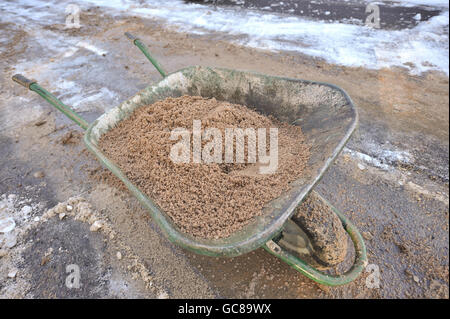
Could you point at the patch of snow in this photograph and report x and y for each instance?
(7, 224)
(91, 47)
(84, 100)
(420, 49)
(382, 158)
(14, 214)
(411, 3)
(372, 161)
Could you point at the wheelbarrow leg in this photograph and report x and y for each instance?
(274, 247)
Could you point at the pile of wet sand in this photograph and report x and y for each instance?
(206, 200)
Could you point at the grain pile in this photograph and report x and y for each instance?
(205, 200)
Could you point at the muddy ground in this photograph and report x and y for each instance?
(391, 179)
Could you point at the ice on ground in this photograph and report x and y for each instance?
(7, 224)
(420, 49)
(383, 158)
(91, 47)
(410, 3)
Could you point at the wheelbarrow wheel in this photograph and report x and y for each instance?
(314, 240)
(321, 229)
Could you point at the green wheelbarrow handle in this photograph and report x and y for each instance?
(71, 114)
(53, 100)
(358, 266)
(137, 42)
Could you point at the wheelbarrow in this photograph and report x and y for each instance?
(327, 128)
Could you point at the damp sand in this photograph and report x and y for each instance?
(206, 200)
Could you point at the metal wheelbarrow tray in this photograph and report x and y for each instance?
(326, 128)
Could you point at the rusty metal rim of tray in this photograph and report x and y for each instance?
(267, 243)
